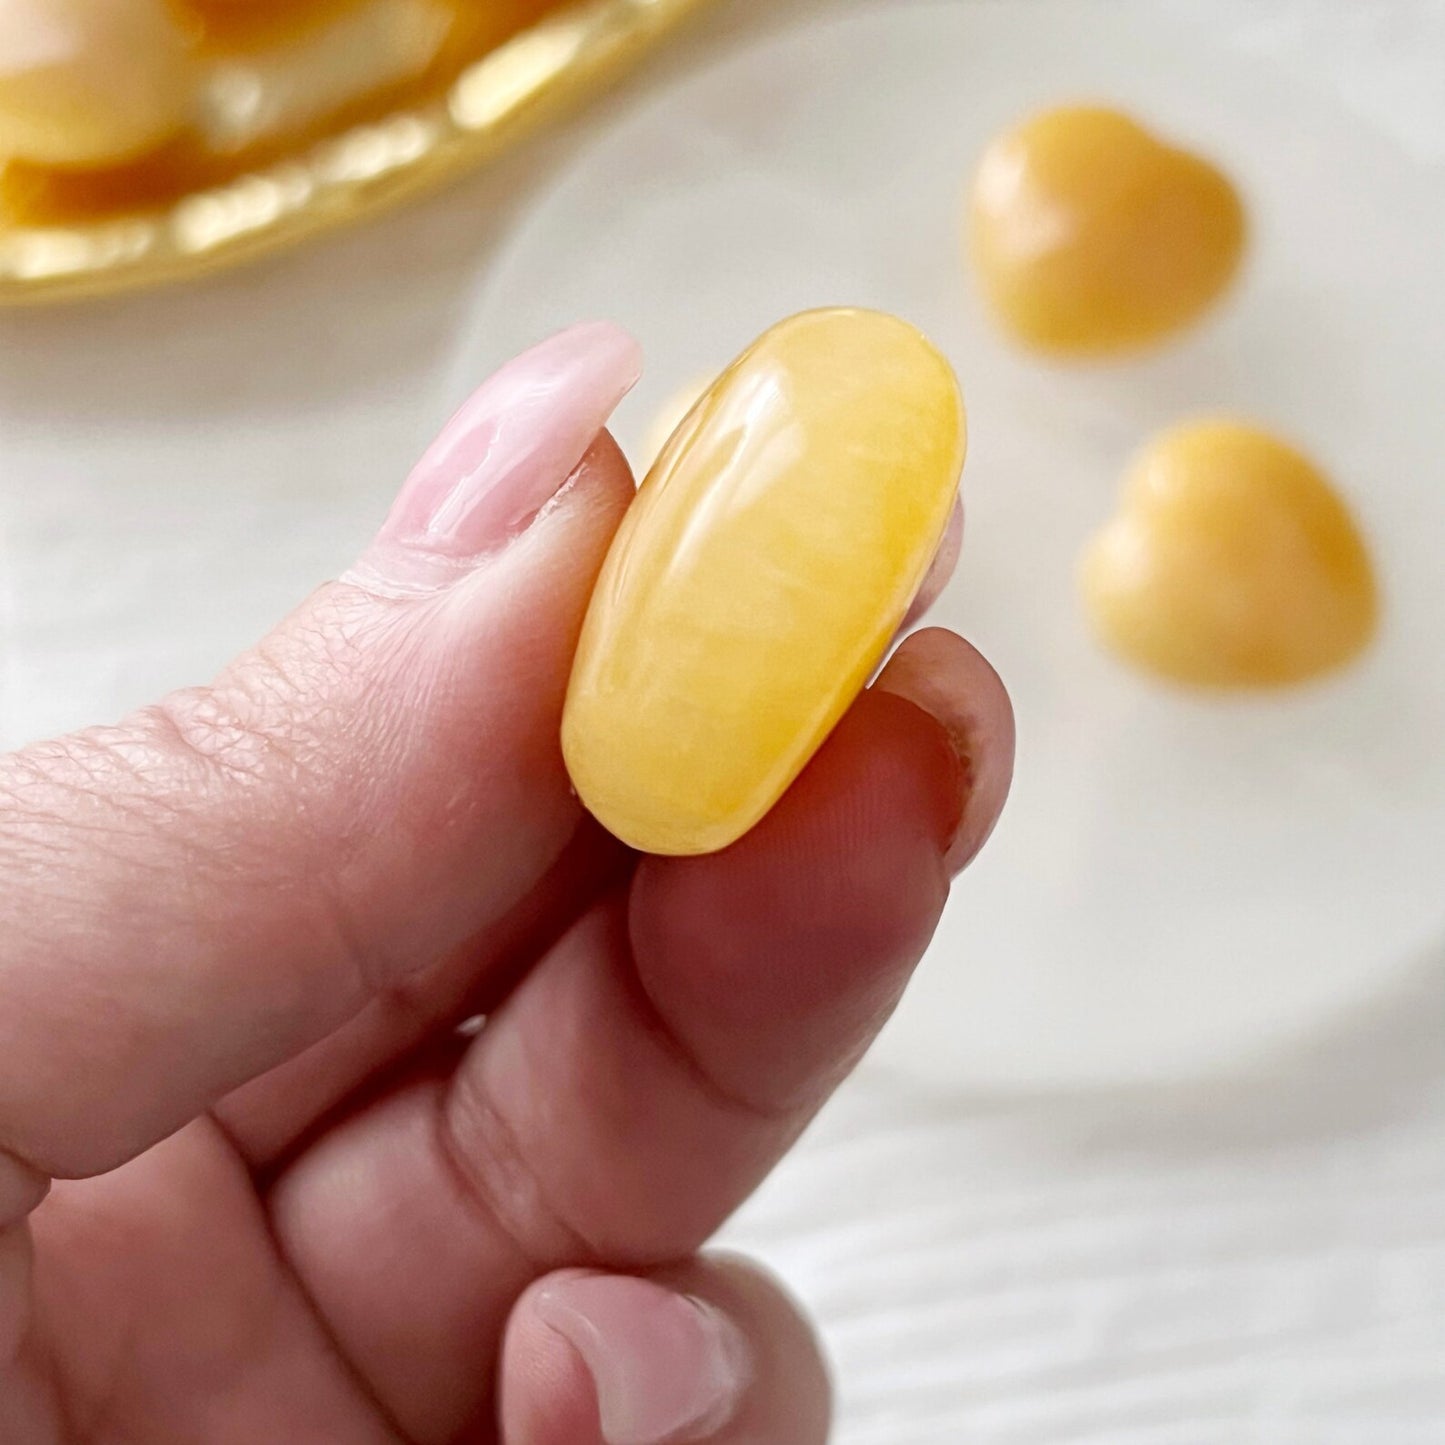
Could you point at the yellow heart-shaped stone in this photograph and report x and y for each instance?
(1231, 563)
(1091, 235)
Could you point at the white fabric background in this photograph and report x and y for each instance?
(1257, 1261)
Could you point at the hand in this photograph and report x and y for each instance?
(238, 933)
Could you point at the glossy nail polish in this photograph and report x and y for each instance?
(508, 451)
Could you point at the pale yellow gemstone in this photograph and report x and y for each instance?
(1232, 563)
(338, 61)
(91, 82)
(759, 576)
(1089, 234)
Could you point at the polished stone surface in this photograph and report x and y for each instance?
(772, 552)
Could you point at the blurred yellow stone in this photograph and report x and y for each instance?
(670, 416)
(756, 581)
(333, 62)
(1231, 563)
(1090, 235)
(90, 82)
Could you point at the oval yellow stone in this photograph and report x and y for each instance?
(1091, 235)
(757, 579)
(1231, 563)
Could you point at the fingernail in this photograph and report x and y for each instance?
(939, 672)
(508, 451)
(941, 569)
(665, 1366)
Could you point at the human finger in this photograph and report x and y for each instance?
(711, 1351)
(196, 894)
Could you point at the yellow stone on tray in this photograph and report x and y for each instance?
(85, 83)
(1091, 235)
(1231, 563)
(755, 583)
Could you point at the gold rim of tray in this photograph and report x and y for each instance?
(345, 178)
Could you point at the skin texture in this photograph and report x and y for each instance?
(240, 928)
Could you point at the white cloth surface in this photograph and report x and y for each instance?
(1262, 1261)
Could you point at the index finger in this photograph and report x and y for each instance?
(197, 894)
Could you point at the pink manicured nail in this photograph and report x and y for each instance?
(508, 451)
(665, 1365)
(952, 682)
(941, 569)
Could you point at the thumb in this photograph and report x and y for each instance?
(192, 896)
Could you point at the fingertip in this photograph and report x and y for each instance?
(779, 957)
(941, 570)
(545, 1394)
(709, 1350)
(589, 504)
(957, 686)
(502, 457)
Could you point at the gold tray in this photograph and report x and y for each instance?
(348, 176)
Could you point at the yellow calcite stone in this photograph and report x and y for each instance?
(756, 581)
(1090, 235)
(84, 83)
(1231, 563)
